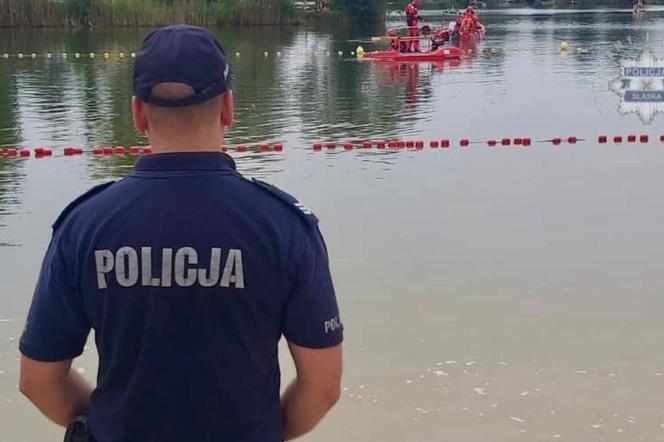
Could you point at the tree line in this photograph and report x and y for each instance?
(18, 13)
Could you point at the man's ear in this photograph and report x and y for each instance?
(227, 109)
(138, 115)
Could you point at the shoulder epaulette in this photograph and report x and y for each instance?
(86, 196)
(290, 201)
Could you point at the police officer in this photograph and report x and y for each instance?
(189, 275)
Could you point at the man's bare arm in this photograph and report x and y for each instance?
(315, 390)
(55, 389)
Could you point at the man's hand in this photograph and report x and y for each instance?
(315, 391)
(58, 391)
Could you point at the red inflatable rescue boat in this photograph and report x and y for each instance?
(442, 53)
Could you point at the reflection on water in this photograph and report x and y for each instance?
(504, 294)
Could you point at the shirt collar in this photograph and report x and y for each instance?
(185, 161)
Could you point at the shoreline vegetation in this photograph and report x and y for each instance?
(145, 13)
(137, 13)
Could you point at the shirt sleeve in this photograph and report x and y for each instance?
(56, 328)
(312, 313)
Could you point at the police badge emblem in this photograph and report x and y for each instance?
(641, 87)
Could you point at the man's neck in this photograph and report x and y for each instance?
(170, 143)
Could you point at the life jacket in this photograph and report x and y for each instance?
(411, 15)
(467, 25)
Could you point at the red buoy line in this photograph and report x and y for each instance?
(491, 142)
(105, 151)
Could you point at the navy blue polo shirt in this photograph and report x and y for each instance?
(189, 274)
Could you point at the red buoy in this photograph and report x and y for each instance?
(527, 141)
(11, 152)
(617, 139)
(518, 141)
(380, 144)
(631, 138)
(464, 142)
(243, 148)
(419, 144)
(445, 143)
(506, 142)
(316, 146)
(147, 150)
(134, 150)
(434, 144)
(119, 150)
(556, 141)
(69, 151)
(47, 152)
(24, 153)
(366, 145)
(108, 150)
(644, 138)
(79, 151)
(97, 151)
(348, 146)
(602, 139)
(491, 142)
(264, 147)
(278, 147)
(661, 138)
(331, 146)
(410, 143)
(572, 140)
(39, 151)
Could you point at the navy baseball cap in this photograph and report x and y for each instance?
(181, 54)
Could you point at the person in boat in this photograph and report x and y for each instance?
(412, 19)
(457, 26)
(395, 41)
(467, 23)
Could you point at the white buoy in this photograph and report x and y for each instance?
(20, 55)
(5, 56)
(77, 55)
(564, 46)
(92, 55)
(266, 54)
(33, 56)
(237, 54)
(340, 53)
(64, 55)
(278, 54)
(133, 55)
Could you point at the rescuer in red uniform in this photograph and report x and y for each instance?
(412, 18)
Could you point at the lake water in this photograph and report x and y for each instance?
(505, 294)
